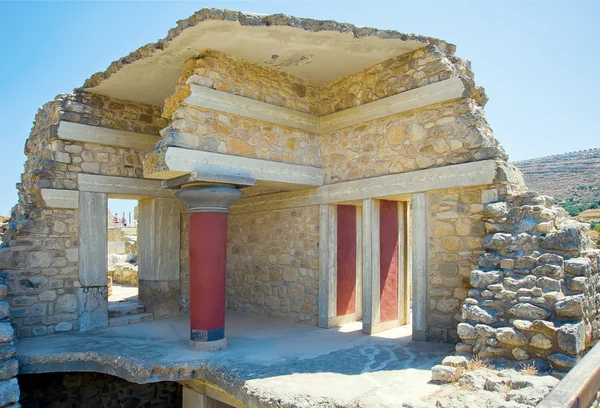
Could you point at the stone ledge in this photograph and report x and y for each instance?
(122, 187)
(78, 132)
(210, 99)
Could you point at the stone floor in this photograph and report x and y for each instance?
(122, 293)
(268, 361)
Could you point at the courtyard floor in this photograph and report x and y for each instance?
(268, 360)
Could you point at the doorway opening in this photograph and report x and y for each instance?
(123, 282)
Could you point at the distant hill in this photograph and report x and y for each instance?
(573, 179)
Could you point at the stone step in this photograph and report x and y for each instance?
(124, 308)
(130, 319)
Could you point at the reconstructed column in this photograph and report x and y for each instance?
(208, 207)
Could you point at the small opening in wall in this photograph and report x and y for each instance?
(123, 283)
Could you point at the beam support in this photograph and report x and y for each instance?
(78, 132)
(420, 270)
(327, 265)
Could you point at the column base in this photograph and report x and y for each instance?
(208, 345)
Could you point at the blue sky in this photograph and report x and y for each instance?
(537, 60)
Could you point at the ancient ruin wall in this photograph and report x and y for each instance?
(40, 254)
(9, 365)
(535, 293)
(93, 390)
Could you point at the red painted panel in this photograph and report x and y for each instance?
(388, 262)
(346, 259)
(208, 251)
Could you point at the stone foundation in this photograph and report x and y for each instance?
(94, 391)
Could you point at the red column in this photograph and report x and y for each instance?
(208, 212)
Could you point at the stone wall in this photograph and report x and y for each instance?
(40, 249)
(535, 293)
(9, 365)
(95, 390)
(273, 263)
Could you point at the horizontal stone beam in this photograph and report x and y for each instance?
(267, 173)
(105, 136)
(442, 91)
(211, 99)
(54, 198)
(388, 186)
(122, 187)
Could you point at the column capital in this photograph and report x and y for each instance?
(208, 198)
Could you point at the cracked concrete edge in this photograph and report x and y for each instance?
(248, 19)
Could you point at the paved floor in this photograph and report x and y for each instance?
(123, 293)
(267, 360)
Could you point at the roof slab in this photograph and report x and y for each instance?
(267, 360)
(316, 50)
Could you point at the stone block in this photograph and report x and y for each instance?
(571, 338)
(9, 369)
(38, 259)
(443, 373)
(477, 314)
(455, 361)
(578, 266)
(63, 326)
(562, 362)
(508, 335)
(519, 353)
(571, 306)
(481, 279)
(567, 240)
(161, 298)
(578, 284)
(7, 333)
(466, 331)
(4, 309)
(528, 311)
(9, 392)
(540, 341)
(92, 307)
(66, 304)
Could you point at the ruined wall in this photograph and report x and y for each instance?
(9, 365)
(95, 390)
(535, 293)
(273, 263)
(40, 254)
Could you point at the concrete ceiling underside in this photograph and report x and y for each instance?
(317, 56)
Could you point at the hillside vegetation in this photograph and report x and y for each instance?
(573, 179)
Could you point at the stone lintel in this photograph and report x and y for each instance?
(266, 173)
(211, 99)
(437, 92)
(78, 132)
(389, 186)
(55, 198)
(122, 187)
(206, 98)
(208, 177)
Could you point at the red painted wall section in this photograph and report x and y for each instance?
(346, 259)
(388, 263)
(208, 251)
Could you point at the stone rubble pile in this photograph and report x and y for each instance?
(9, 365)
(535, 294)
(485, 387)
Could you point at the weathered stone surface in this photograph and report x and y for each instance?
(540, 341)
(571, 338)
(9, 392)
(442, 373)
(519, 353)
(562, 361)
(63, 326)
(92, 308)
(511, 336)
(9, 369)
(7, 333)
(489, 261)
(466, 331)
(481, 279)
(456, 361)
(578, 266)
(477, 314)
(66, 304)
(528, 311)
(568, 239)
(571, 306)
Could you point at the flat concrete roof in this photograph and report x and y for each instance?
(267, 359)
(318, 50)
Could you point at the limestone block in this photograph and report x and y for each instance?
(63, 326)
(466, 331)
(569, 239)
(540, 341)
(489, 261)
(548, 270)
(443, 373)
(495, 210)
(496, 242)
(92, 307)
(511, 336)
(66, 304)
(9, 392)
(39, 259)
(549, 284)
(481, 279)
(578, 284)
(578, 266)
(455, 361)
(4, 309)
(7, 333)
(485, 330)
(528, 311)
(526, 262)
(571, 338)
(562, 361)
(519, 353)
(571, 306)
(477, 314)
(161, 298)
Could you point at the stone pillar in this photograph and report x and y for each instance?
(208, 207)
(420, 271)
